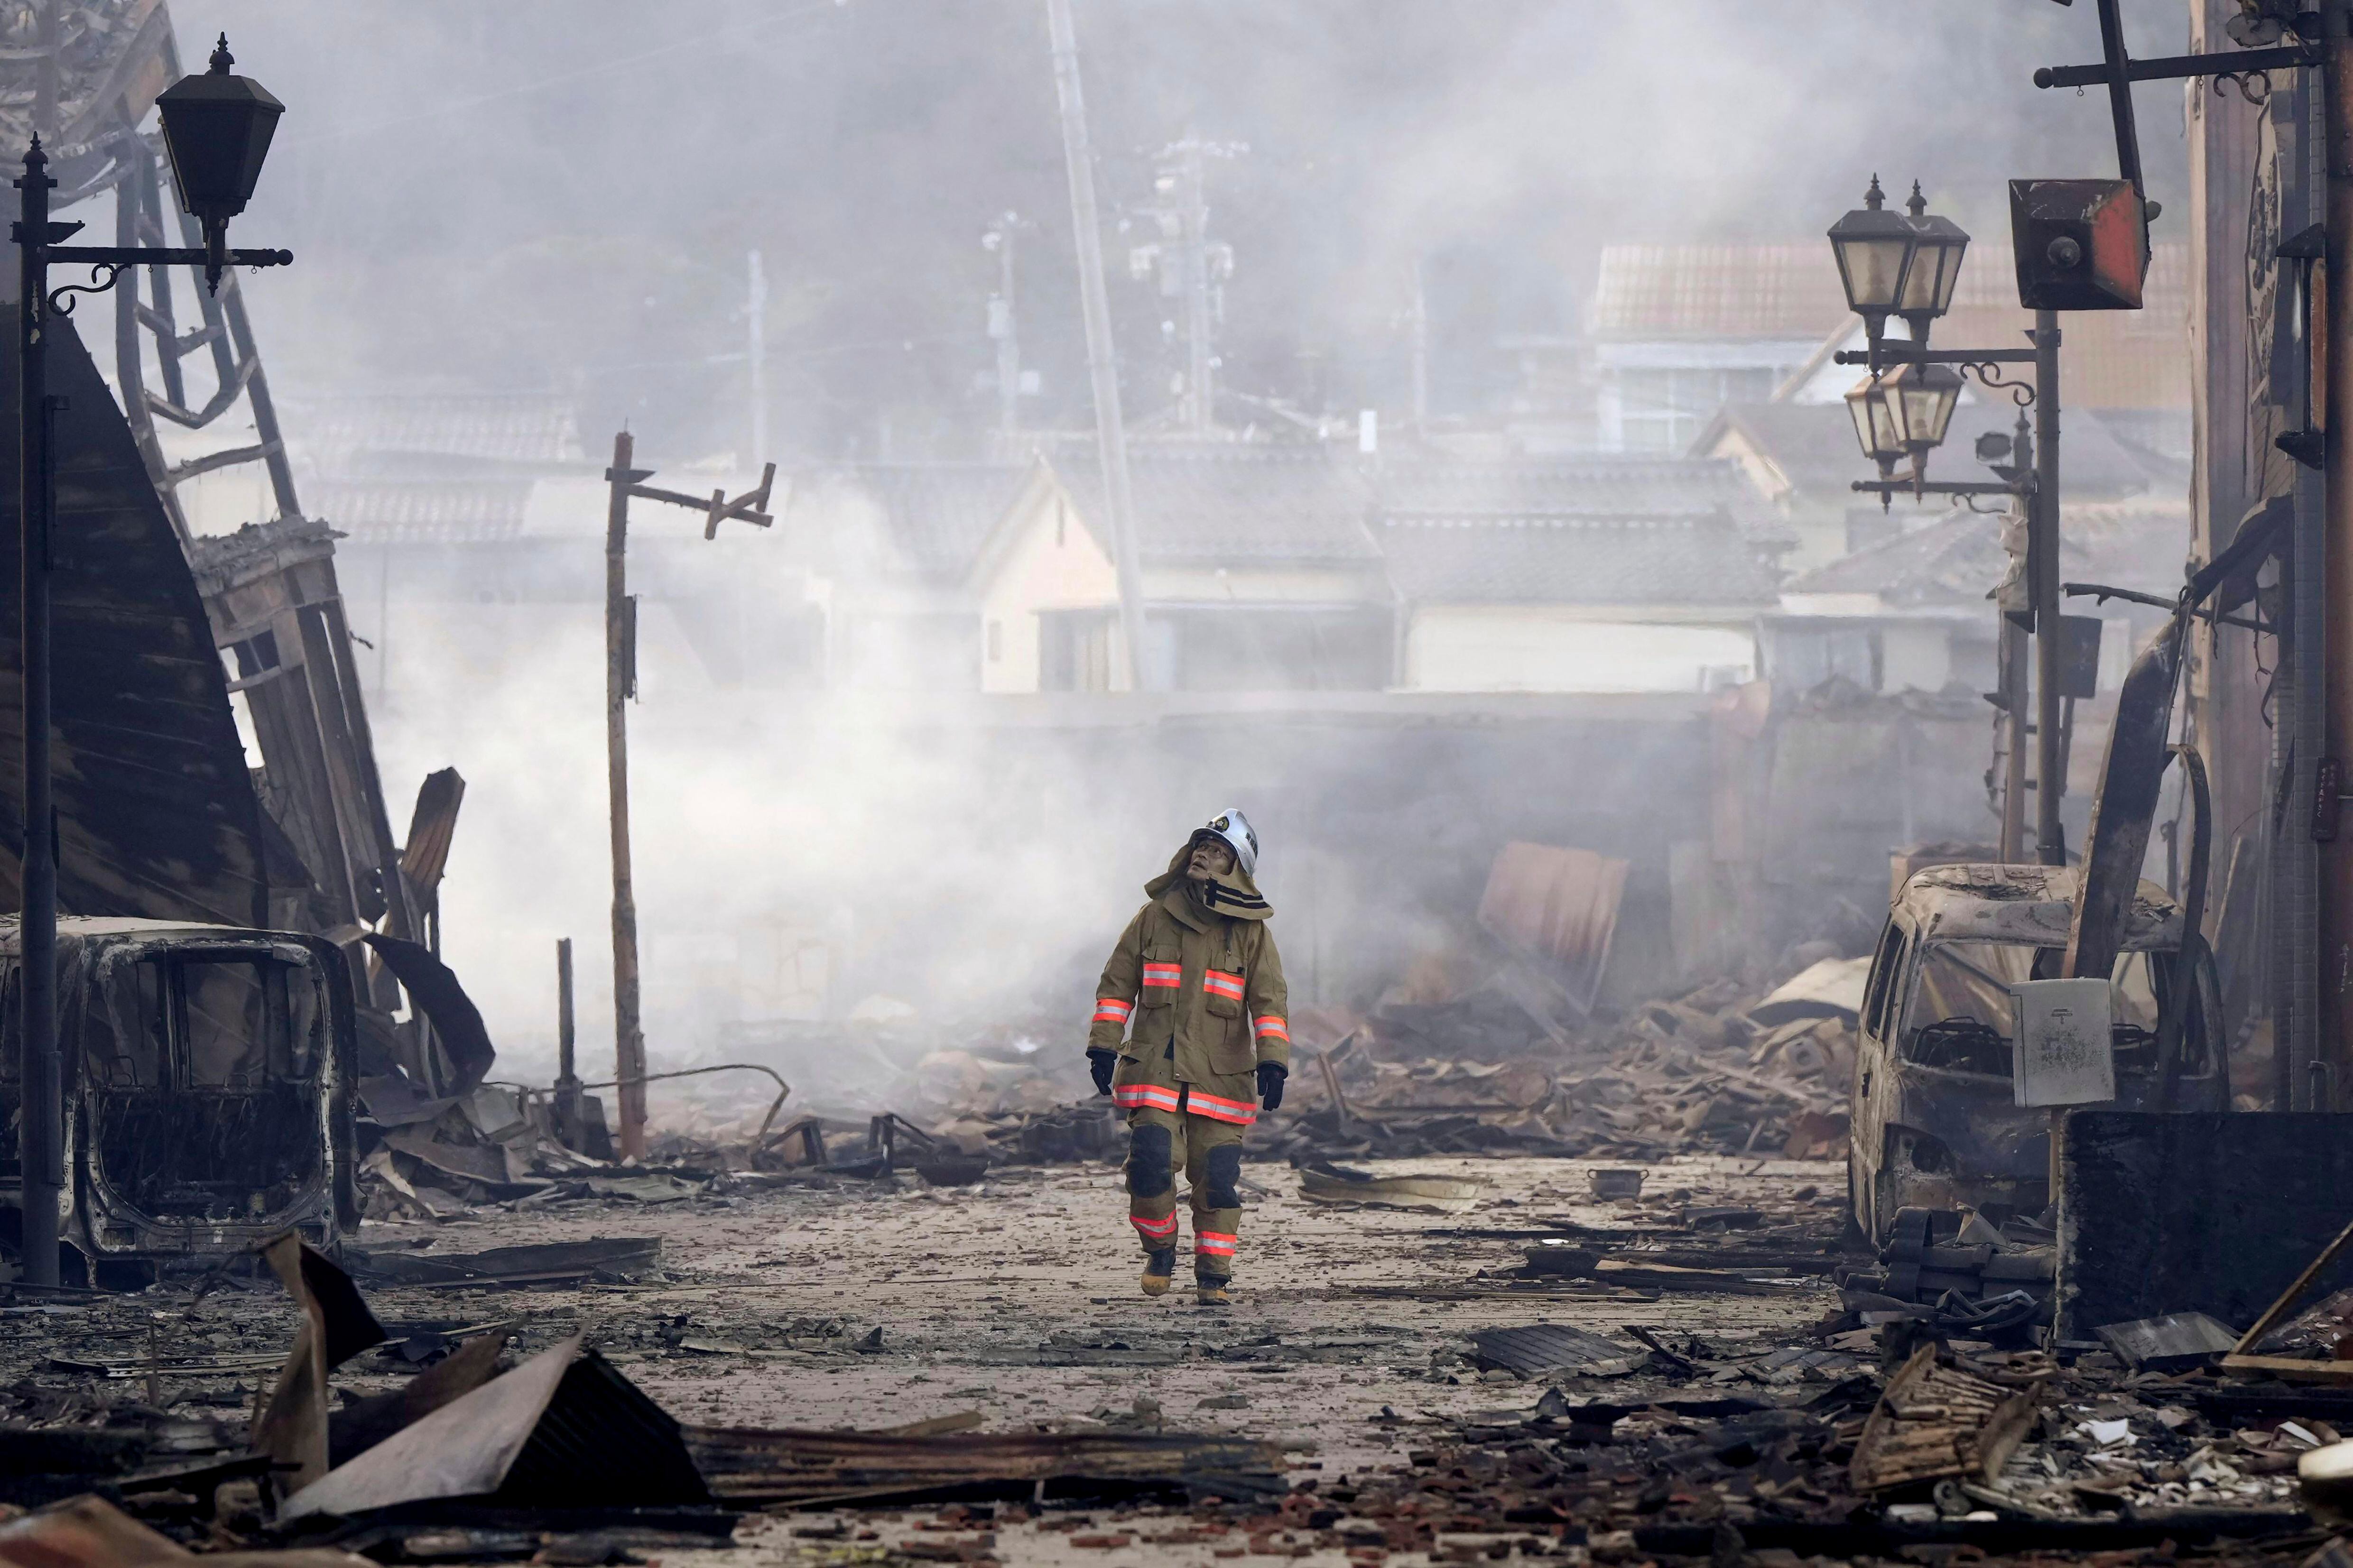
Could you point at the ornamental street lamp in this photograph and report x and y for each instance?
(216, 129)
(1917, 399)
(1920, 400)
(1874, 247)
(1937, 246)
(1897, 264)
(1875, 428)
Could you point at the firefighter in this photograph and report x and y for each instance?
(1196, 975)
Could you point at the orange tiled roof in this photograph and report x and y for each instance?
(2111, 359)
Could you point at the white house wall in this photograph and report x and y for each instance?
(1050, 563)
(1537, 647)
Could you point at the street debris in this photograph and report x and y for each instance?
(1435, 1195)
(1935, 1421)
(816, 1469)
(562, 1430)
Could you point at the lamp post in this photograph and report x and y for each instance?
(1909, 266)
(217, 131)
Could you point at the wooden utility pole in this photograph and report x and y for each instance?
(567, 1066)
(1103, 365)
(620, 685)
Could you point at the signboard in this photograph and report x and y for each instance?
(2064, 1054)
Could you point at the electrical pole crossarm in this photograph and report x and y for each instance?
(750, 507)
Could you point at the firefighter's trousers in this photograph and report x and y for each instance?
(1211, 1147)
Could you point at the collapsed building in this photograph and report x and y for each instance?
(169, 835)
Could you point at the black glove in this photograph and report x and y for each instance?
(1270, 1084)
(1100, 1062)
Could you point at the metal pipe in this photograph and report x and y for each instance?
(2012, 652)
(41, 1120)
(2331, 567)
(628, 1035)
(2120, 103)
(1102, 368)
(2050, 783)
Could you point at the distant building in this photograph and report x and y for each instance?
(1679, 331)
(1298, 569)
(1575, 575)
(1802, 460)
(1915, 612)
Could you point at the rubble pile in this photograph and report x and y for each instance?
(426, 1158)
(1717, 1070)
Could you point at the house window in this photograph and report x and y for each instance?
(1664, 410)
(996, 642)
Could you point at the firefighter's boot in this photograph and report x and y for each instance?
(1159, 1268)
(1213, 1288)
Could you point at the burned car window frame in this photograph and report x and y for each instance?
(276, 965)
(2160, 965)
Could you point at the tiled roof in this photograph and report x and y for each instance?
(1603, 486)
(1237, 504)
(934, 516)
(2138, 544)
(340, 432)
(1560, 560)
(437, 511)
(1651, 292)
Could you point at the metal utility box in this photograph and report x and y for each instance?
(2080, 245)
(209, 1075)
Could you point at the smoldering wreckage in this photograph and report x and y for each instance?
(1956, 1365)
(1879, 1255)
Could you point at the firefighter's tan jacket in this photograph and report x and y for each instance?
(1194, 994)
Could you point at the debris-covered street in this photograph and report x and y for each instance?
(1402, 1381)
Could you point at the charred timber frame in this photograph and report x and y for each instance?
(271, 589)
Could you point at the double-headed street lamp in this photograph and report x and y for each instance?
(217, 131)
(1908, 265)
(1897, 264)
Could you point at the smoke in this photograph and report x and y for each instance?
(560, 193)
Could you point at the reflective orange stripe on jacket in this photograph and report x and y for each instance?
(1218, 983)
(1169, 974)
(1239, 1112)
(1144, 1095)
(1272, 1026)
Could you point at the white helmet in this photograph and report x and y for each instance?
(1240, 836)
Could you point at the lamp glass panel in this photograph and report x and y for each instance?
(1922, 398)
(1935, 269)
(1874, 421)
(1872, 267)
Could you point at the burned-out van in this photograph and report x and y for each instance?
(1935, 1121)
(208, 1076)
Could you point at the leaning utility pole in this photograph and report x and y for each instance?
(1103, 367)
(620, 685)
